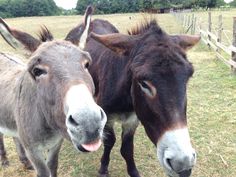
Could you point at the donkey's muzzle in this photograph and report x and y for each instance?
(176, 154)
(85, 119)
(86, 129)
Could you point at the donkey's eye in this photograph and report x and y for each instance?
(86, 65)
(148, 88)
(38, 71)
(144, 84)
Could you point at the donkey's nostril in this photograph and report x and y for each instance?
(102, 114)
(194, 155)
(72, 121)
(182, 166)
(185, 173)
(169, 163)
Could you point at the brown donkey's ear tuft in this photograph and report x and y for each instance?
(18, 39)
(79, 34)
(119, 43)
(45, 35)
(186, 41)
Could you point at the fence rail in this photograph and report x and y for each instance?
(212, 35)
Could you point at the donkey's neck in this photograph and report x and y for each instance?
(112, 80)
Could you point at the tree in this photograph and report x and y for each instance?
(233, 3)
(82, 4)
(18, 8)
(207, 3)
(220, 3)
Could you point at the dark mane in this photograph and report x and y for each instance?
(144, 26)
(45, 34)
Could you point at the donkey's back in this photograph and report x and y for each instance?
(10, 67)
(7, 60)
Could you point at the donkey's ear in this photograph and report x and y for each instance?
(18, 39)
(186, 41)
(79, 34)
(119, 43)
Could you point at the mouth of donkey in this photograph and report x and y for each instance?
(90, 146)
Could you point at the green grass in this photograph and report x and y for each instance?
(211, 112)
(211, 115)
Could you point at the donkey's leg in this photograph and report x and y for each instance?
(39, 162)
(52, 160)
(127, 148)
(109, 141)
(21, 153)
(3, 154)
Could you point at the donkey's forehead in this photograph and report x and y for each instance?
(59, 49)
(161, 53)
(155, 61)
(58, 45)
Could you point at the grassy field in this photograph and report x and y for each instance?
(227, 23)
(211, 111)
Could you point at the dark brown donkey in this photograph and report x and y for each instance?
(145, 72)
(49, 99)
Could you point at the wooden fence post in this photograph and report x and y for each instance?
(184, 20)
(192, 24)
(195, 24)
(200, 28)
(189, 21)
(209, 25)
(219, 34)
(234, 43)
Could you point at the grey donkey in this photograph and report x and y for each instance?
(50, 98)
